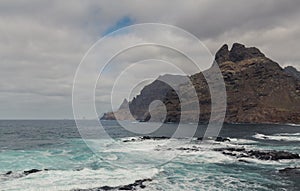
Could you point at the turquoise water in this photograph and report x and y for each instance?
(58, 147)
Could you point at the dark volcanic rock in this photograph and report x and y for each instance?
(194, 148)
(241, 160)
(31, 171)
(154, 138)
(143, 138)
(11, 174)
(258, 91)
(262, 155)
(272, 155)
(27, 172)
(221, 139)
(8, 173)
(133, 186)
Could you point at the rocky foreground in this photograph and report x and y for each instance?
(258, 91)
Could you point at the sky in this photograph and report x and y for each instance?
(43, 42)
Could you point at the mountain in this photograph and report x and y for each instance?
(258, 91)
(138, 106)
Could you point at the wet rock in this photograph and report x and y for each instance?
(218, 139)
(27, 172)
(262, 155)
(154, 138)
(241, 160)
(11, 174)
(8, 173)
(189, 149)
(146, 138)
(106, 188)
(221, 139)
(129, 140)
(273, 155)
(137, 184)
(143, 138)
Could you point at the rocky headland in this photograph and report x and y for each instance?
(258, 90)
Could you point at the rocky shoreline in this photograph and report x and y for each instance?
(238, 152)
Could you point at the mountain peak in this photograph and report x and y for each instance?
(124, 104)
(237, 46)
(222, 54)
(237, 53)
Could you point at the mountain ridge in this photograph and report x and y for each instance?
(258, 91)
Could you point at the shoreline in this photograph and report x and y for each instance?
(224, 123)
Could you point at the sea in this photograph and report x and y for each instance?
(67, 160)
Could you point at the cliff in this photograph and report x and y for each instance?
(138, 106)
(258, 91)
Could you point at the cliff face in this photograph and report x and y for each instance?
(290, 70)
(258, 91)
(138, 106)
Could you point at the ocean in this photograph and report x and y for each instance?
(68, 162)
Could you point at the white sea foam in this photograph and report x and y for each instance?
(138, 155)
(67, 180)
(278, 137)
(213, 180)
(241, 141)
(288, 134)
(270, 162)
(293, 124)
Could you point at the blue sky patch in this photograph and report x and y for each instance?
(123, 22)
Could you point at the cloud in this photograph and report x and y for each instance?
(42, 42)
(123, 22)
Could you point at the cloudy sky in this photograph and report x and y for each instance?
(43, 42)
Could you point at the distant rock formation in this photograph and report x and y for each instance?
(258, 91)
(138, 106)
